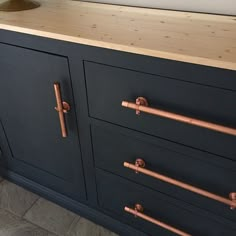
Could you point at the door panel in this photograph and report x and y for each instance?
(31, 122)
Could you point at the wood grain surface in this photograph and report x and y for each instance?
(189, 37)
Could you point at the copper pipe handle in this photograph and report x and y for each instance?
(142, 105)
(62, 108)
(138, 212)
(139, 167)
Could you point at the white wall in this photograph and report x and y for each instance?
(210, 6)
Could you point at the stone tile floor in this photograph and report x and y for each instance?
(23, 213)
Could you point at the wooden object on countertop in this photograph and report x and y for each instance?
(18, 5)
(189, 37)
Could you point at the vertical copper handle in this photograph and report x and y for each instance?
(139, 167)
(62, 108)
(138, 212)
(141, 104)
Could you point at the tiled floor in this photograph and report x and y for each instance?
(23, 213)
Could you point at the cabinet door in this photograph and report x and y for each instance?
(36, 148)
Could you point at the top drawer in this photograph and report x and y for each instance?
(108, 86)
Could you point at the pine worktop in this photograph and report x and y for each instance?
(203, 39)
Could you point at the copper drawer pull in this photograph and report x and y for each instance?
(62, 107)
(139, 167)
(142, 105)
(138, 212)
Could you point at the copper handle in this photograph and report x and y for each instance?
(138, 212)
(139, 167)
(142, 105)
(62, 108)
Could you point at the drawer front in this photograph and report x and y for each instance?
(108, 86)
(113, 148)
(115, 193)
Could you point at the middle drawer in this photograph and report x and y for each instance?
(195, 168)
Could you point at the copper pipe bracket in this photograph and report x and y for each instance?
(139, 163)
(141, 101)
(232, 197)
(65, 107)
(138, 208)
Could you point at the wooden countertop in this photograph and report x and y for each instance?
(189, 37)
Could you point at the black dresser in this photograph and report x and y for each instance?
(141, 145)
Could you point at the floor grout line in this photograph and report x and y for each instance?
(38, 226)
(33, 204)
(23, 215)
(76, 220)
(23, 219)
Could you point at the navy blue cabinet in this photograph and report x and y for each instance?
(84, 171)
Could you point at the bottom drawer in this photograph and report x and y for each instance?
(116, 193)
